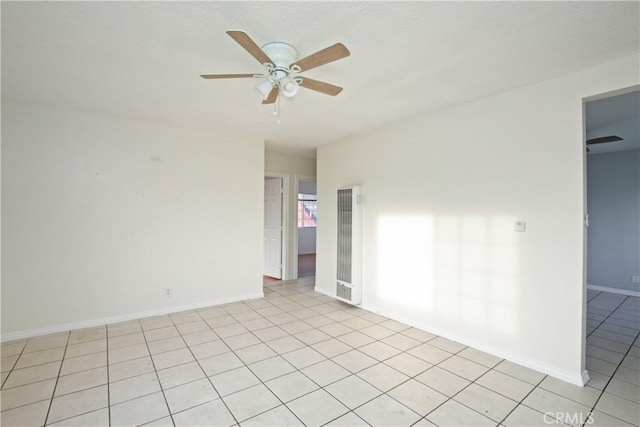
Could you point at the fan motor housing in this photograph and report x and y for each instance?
(282, 54)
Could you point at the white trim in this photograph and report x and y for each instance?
(579, 379)
(613, 290)
(28, 333)
(284, 273)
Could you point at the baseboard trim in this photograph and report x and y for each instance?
(28, 333)
(613, 290)
(579, 379)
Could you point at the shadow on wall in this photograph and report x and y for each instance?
(472, 259)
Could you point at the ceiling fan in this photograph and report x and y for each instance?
(602, 140)
(282, 66)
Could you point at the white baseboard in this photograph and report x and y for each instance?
(28, 333)
(613, 290)
(579, 379)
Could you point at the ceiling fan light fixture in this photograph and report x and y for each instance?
(288, 87)
(265, 88)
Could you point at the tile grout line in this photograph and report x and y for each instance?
(53, 394)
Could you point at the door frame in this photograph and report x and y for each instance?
(284, 221)
(296, 186)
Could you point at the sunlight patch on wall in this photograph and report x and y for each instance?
(405, 260)
(462, 268)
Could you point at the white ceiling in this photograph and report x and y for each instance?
(142, 59)
(617, 115)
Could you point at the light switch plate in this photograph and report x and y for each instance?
(519, 226)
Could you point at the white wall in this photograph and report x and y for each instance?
(613, 198)
(441, 192)
(93, 229)
(291, 166)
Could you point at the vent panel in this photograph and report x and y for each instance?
(345, 234)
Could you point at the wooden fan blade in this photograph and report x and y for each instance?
(225, 76)
(319, 86)
(249, 45)
(324, 56)
(273, 95)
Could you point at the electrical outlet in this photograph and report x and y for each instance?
(155, 158)
(635, 279)
(168, 292)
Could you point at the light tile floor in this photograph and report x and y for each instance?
(297, 357)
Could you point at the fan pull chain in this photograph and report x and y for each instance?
(278, 109)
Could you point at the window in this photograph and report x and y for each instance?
(307, 210)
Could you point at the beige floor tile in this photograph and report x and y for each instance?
(250, 402)
(382, 376)
(46, 342)
(408, 364)
(285, 344)
(463, 367)
(429, 353)
(271, 333)
(157, 322)
(348, 420)
(401, 342)
(75, 350)
(331, 347)
(585, 395)
(546, 402)
(418, 334)
(452, 413)
(230, 330)
(99, 418)
(377, 332)
(172, 358)
(200, 337)
(139, 411)
(523, 416)
(271, 368)
(353, 391)
(25, 394)
(8, 362)
(255, 353)
(417, 396)
(480, 357)
(40, 357)
(185, 317)
(131, 388)
(619, 408)
(13, 348)
(303, 357)
(189, 395)
(326, 372)
(385, 411)
(601, 366)
(130, 368)
(447, 345)
(71, 405)
(208, 349)
(220, 363)
(356, 339)
(241, 341)
(291, 328)
(624, 389)
(86, 335)
(291, 386)
(128, 353)
(280, 416)
(81, 380)
(83, 363)
(166, 344)
(627, 374)
(126, 340)
(317, 408)
(312, 336)
(600, 419)
(161, 333)
(379, 350)
(213, 413)
(505, 385)
(354, 360)
(123, 328)
(335, 329)
(33, 374)
(486, 402)
(27, 416)
(520, 372)
(181, 374)
(233, 381)
(443, 381)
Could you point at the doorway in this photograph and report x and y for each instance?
(307, 222)
(273, 228)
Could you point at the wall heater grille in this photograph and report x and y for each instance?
(348, 286)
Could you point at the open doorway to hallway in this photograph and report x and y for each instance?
(612, 242)
(307, 221)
